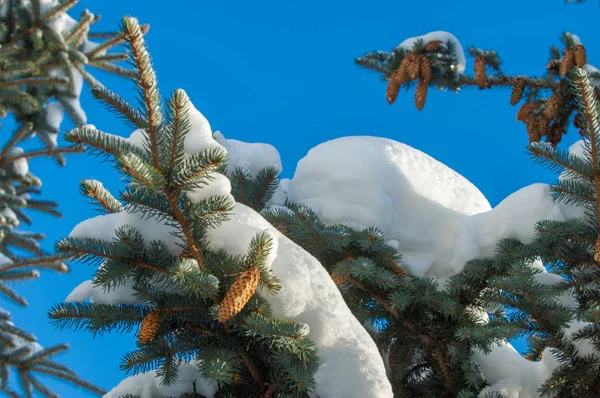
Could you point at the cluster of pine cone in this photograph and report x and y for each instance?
(414, 66)
(236, 298)
(540, 116)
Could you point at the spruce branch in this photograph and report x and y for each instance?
(146, 81)
(120, 107)
(98, 194)
(60, 8)
(41, 152)
(589, 107)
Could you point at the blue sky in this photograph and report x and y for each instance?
(283, 73)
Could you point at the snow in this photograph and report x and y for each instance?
(367, 181)
(104, 227)
(434, 216)
(576, 39)
(350, 364)
(514, 217)
(444, 37)
(200, 136)
(54, 115)
(219, 186)
(62, 23)
(251, 156)
(281, 193)
(146, 385)
(20, 166)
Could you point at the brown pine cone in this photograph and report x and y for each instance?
(421, 94)
(517, 91)
(480, 70)
(525, 111)
(414, 66)
(239, 294)
(337, 279)
(552, 106)
(393, 357)
(543, 126)
(580, 55)
(597, 251)
(149, 327)
(401, 74)
(425, 68)
(533, 132)
(391, 93)
(566, 63)
(432, 46)
(555, 134)
(578, 122)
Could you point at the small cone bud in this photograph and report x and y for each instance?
(580, 55)
(432, 46)
(552, 106)
(414, 66)
(239, 294)
(597, 251)
(391, 93)
(517, 91)
(425, 69)
(149, 327)
(421, 94)
(566, 63)
(480, 70)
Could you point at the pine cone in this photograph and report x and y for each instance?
(239, 294)
(579, 123)
(552, 106)
(149, 327)
(392, 90)
(432, 46)
(517, 91)
(555, 134)
(597, 251)
(401, 74)
(480, 70)
(525, 111)
(421, 94)
(337, 279)
(393, 358)
(566, 63)
(532, 129)
(414, 66)
(425, 68)
(543, 126)
(580, 55)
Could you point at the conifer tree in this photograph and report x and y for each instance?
(430, 333)
(44, 55)
(190, 303)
